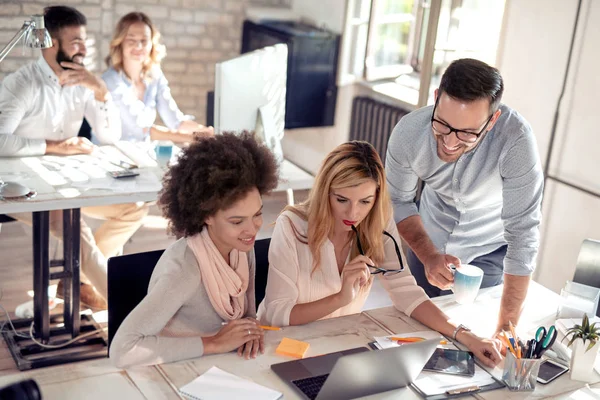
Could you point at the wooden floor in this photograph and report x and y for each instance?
(16, 256)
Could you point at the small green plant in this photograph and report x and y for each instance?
(585, 331)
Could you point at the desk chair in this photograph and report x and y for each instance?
(5, 218)
(85, 130)
(129, 277)
(587, 271)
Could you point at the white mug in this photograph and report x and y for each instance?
(467, 280)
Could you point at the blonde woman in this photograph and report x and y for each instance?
(139, 87)
(325, 252)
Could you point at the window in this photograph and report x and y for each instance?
(404, 46)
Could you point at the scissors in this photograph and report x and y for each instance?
(545, 340)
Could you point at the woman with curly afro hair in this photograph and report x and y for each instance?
(201, 295)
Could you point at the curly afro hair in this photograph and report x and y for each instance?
(211, 175)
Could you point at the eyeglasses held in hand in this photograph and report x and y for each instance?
(378, 270)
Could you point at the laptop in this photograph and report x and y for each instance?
(356, 372)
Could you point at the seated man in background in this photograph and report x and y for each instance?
(42, 106)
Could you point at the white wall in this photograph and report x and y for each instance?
(324, 13)
(536, 40)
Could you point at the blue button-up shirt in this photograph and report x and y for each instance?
(138, 116)
(489, 197)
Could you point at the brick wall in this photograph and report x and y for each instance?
(212, 29)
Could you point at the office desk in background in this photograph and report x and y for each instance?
(97, 379)
(66, 183)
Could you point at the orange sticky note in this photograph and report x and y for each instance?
(292, 348)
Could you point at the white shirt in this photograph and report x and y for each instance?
(34, 108)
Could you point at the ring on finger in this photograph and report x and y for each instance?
(249, 332)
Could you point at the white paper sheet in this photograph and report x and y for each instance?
(216, 384)
(432, 383)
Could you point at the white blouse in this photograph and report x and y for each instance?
(291, 280)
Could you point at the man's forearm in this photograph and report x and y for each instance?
(413, 232)
(513, 297)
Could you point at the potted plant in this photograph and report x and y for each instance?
(585, 345)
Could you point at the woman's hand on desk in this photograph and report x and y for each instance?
(232, 336)
(486, 350)
(74, 145)
(252, 348)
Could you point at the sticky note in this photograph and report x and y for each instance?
(292, 348)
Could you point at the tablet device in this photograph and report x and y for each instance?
(550, 370)
(450, 361)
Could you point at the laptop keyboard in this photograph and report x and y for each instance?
(311, 386)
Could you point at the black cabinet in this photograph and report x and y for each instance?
(312, 68)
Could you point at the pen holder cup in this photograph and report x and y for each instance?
(520, 374)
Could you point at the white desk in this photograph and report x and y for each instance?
(293, 178)
(540, 309)
(68, 184)
(98, 380)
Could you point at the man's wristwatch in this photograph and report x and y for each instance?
(459, 328)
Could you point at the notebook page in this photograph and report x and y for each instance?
(216, 384)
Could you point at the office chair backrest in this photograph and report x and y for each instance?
(587, 271)
(261, 254)
(128, 279)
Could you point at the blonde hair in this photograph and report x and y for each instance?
(115, 55)
(350, 164)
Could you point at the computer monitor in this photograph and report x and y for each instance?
(250, 95)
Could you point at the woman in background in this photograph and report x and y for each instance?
(325, 252)
(201, 295)
(139, 87)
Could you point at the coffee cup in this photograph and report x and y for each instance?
(467, 280)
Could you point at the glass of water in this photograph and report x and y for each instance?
(164, 152)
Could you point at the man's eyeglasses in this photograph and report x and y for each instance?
(378, 270)
(443, 128)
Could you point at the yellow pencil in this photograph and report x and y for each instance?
(514, 335)
(510, 346)
(270, 328)
(412, 339)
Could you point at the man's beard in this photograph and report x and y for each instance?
(61, 56)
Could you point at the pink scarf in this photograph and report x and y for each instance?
(225, 284)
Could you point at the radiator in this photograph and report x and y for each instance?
(373, 122)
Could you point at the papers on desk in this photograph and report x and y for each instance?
(145, 182)
(385, 342)
(433, 383)
(216, 384)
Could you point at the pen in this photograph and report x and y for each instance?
(507, 342)
(412, 339)
(270, 328)
(467, 389)
(514, 335)
(265, 327)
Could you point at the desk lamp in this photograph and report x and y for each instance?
(36, 36)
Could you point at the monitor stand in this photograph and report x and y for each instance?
(268, 131)
(291, 176)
